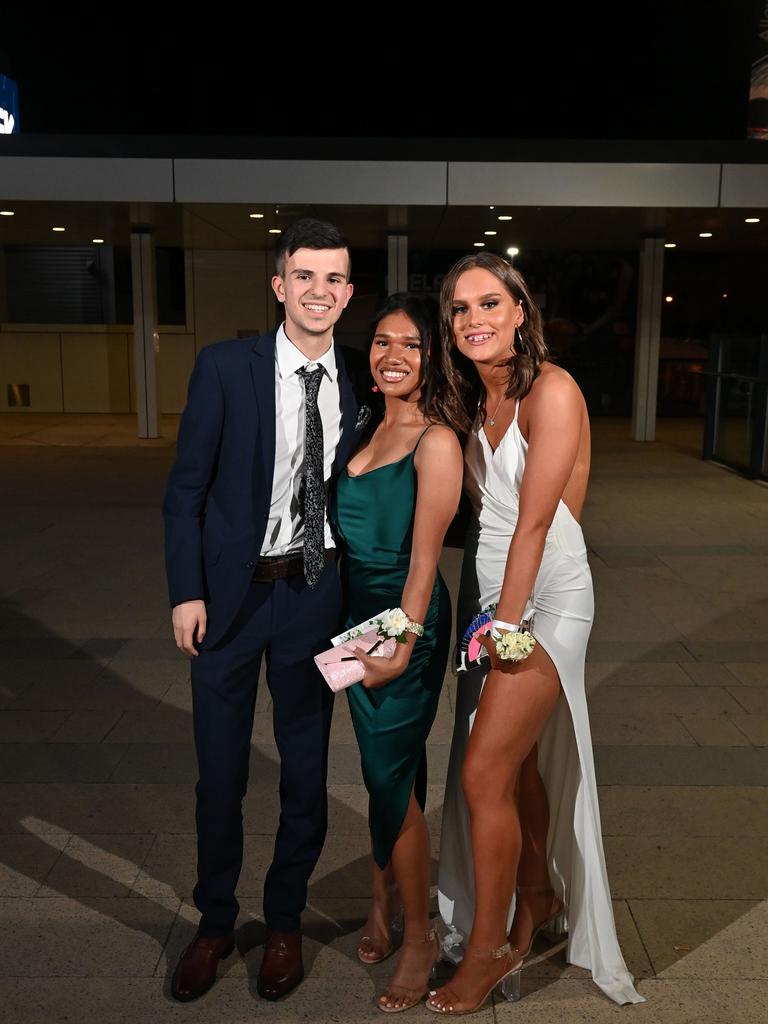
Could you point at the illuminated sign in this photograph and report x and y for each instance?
(9, 106)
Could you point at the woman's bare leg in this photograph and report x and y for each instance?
(411, 863)
(533, 808)
(511, 714)
(377, 939)
(535, 898)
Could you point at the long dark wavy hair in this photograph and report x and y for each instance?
(530, 348)
(439, 401)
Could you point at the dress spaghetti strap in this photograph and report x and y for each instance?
(418, 442)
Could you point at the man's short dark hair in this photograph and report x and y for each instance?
(308, 233)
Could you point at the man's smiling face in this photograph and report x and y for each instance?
(315, 290)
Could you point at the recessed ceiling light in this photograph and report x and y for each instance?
(478, 245)
(725, 295)
(505, 216)
(98, 241)
(491, 207)
(751, 220)
(669, 298)
(489, 232)
(7, 213)
(513, 251)
(670, 245)
(705, 234)
(256, 216)
(275, 231)
(58, 229)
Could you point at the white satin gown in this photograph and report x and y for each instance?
(561, 608)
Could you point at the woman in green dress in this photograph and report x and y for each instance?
(393, 505)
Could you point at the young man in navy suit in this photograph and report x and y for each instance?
(251, 571)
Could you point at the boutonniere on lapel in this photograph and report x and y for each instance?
(363, 416)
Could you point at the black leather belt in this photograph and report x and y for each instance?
(280, 567)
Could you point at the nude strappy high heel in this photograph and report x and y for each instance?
(411, 996)
(555, 924)
(395, 928)
(555, 927)
(511, 964)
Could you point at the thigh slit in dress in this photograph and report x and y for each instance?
(561, 609)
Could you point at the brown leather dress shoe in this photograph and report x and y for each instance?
(282, 968)
(196, 970)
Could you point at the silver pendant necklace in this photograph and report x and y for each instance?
(492, 420)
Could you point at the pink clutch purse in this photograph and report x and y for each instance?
(339, 666)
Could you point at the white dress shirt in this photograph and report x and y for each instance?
(285, 527)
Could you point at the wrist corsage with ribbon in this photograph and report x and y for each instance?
(396, 623)
(513, 644)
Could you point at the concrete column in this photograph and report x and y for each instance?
(145, 336)
(650, 288)
(397, 263)
(189, 292)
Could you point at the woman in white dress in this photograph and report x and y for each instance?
(521, 842)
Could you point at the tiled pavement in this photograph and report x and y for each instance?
(96, 765)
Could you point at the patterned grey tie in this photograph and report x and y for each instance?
(313, 482)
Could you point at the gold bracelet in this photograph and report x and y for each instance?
(414, 627)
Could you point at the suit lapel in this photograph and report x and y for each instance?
(348, 414)
(263, 377)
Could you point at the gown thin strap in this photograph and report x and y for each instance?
(418, 441)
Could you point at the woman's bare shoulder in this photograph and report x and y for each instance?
(439, 444)
(554, 384)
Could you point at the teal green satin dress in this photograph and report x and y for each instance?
(373, 515)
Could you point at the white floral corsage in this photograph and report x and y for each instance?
(395, 623)
(515, 646)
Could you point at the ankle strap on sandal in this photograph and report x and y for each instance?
(429, 936)
(494, 954)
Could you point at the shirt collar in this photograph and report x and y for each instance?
(290, 359)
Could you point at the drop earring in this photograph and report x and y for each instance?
(517, 342)
(375, 388)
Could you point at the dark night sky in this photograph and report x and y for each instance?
(663, 71)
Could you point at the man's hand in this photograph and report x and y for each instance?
(380, 671)
(189, 624)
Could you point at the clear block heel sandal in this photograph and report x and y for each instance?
(412, 996)
(508, 981)
(395, 928)
(555, 926)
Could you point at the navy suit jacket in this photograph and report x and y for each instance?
(219, 490)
